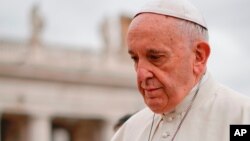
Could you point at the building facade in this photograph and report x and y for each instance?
(50, 93)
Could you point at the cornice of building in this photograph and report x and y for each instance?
(84, 77)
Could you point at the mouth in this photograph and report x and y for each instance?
(150, 90)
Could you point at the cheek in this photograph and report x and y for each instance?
(173, 83)
(139, 86)
(179, 75)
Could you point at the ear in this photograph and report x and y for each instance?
(202, 52)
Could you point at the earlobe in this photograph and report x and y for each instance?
(202, 52)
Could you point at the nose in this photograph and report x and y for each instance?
(143, 74)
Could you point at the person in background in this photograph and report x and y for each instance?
(168, 42)
(121, 121)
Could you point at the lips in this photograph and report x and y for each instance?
(151, 89)
(151, 92)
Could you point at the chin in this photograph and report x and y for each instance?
(157, 111)
(155, 108)
(157, 105)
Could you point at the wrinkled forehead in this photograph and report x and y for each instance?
(149, 30)
(155, 26)
(154, 22)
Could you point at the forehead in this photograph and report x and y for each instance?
(157, 22)
(153, 32)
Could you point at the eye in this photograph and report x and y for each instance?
(154, 57)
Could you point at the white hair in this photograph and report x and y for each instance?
(194, 31)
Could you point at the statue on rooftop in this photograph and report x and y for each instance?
(37, 25)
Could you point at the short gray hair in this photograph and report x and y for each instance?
(194, 31)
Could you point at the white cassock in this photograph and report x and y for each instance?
(214, 109)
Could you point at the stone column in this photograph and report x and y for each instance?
(0, 125)
(107, 130)
(40, 128)
(60, 135)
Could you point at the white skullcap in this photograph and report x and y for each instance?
(181, 9)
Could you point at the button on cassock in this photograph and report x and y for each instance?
(170, 119)
(165, 134)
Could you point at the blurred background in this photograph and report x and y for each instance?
(64, 70)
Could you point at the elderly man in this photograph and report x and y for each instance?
(168, 43)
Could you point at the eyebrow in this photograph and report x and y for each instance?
(151, 51)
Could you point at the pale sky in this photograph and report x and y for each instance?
(76, 23)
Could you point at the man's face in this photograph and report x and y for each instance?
(163, 59)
